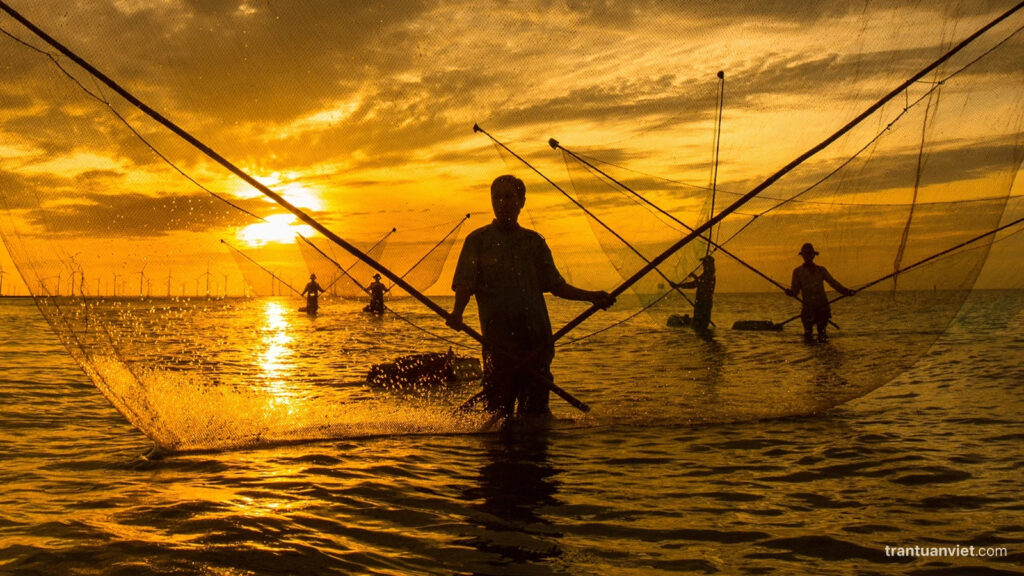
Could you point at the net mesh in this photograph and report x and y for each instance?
(170, 280)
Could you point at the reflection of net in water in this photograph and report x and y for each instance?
(96, 245)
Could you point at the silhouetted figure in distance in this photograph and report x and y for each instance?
(312, 293)
(376, 290)
(509, 268)
(809, 284)
(705, 285)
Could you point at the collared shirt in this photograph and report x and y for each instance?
(509, 270)
(809, 283)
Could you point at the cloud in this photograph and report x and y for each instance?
(357, 90)
(944, 163)
(139, 215)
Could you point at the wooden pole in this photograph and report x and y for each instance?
(921, 262)
(696, 233)
(266, 191)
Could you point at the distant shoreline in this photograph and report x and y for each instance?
(435, 296)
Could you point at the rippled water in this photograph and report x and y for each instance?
(934, 458)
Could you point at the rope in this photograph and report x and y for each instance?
(618, 323)
(128, 125)
(174, 166)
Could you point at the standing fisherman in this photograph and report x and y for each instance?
(376, 290)
(509, 268)
(809, 283)
(705, 285)
(312, 293)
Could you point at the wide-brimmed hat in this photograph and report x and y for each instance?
(312, 276)
(376, 276)
(808, 248)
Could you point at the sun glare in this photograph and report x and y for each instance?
(288, 186)
(277, 228)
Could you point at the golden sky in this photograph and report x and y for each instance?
(361, 114)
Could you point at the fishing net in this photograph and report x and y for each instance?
(171, 281)
(341, 273)
(418, 259)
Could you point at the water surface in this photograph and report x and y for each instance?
(931, 459)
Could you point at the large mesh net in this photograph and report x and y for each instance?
(172, 282)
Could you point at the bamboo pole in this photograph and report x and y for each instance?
(266, 191)
(696, 233)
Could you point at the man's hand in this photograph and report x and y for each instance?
(849, 292)
(602, 299)
(790, 293)
(455, 321)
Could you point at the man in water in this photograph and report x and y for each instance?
(376, 290)
(809, 284)
(509, 268)
(312, 293)
(705, 285)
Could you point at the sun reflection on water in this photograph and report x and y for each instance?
(274, 361)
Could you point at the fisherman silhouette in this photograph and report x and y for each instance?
(809, 283)
(376, 290)
(508, 269)
(705, 285)
(312, 293)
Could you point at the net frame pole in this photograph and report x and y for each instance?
(477, 128)
(260, 266)
(344, 271)
(699, 231)
(558, 146)
(919, 263)
(435, 246)
(266, 191)
(718, 146)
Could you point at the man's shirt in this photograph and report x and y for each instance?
(509, 270)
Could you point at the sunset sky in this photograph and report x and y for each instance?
(362, 114)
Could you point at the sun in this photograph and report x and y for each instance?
(290, 188)
(279, 228)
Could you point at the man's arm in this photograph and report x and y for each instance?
(794, 287)
(464, 280)
(685, 285)
(462, 296)
(836, 285)
(599, 298)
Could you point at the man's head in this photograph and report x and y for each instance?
(312, 276)
(508, 196)
(808, 252)
(376, 277)
(708, 262)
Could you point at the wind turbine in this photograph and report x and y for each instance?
(75, 266)
(207, 274)
(142, 276)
